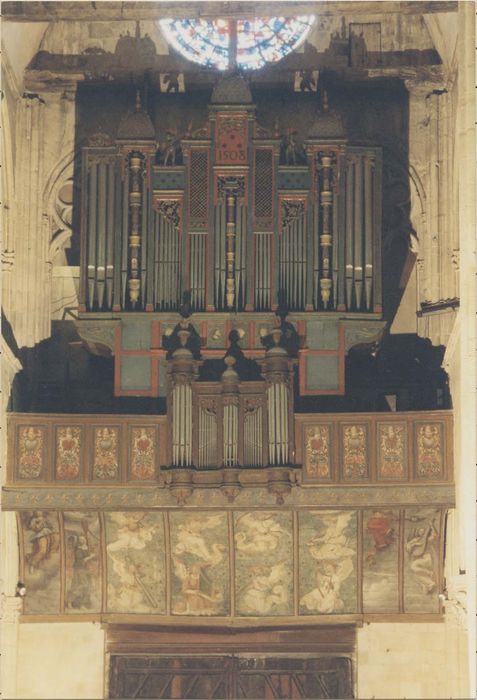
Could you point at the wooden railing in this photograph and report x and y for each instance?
(347, 449)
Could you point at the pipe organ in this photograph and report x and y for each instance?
(230, 422)
(238, 215)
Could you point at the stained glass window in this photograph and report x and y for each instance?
(258, 41)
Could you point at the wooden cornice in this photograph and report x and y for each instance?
(122, 11)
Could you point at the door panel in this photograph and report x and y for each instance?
(230, 677)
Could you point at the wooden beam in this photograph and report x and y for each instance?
(121, 11)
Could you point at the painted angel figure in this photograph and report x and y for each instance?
(266, 589)
(262, 533)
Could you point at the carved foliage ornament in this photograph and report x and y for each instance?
(170, 210)
(229, 183)
(292, 210)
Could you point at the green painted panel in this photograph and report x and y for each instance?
(322, 373)
(135, 373)
(322, 335)
(136, 335)
(162, 379)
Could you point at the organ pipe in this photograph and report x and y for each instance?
(132, 256)
(183, 371)
(229, 381)
(277, 368)
(368, 229)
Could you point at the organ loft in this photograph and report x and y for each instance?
(235, 419)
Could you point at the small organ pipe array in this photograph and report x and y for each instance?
(230, 423)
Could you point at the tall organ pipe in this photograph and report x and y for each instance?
(277, 370)
(230, 380)
(183, 371)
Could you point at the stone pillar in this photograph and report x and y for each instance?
(44, 137)
(465, 375)
(431, 149)
(10, 604)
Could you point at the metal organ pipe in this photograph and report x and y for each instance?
(230, 380)
(92, 204)
(368, 229)
(277, 372)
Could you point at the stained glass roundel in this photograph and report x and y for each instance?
(259, 41)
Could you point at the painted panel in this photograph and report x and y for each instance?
(135, 335)
(421, 560)
(216, 335)
(392, 450)
(328, 569)
(263, 563)
(231, 139)
(41, 561)
(200, 563)
(31, 452)
(322, 372)
(355, 458)
(82, 562)
(135, 373)
(317, 461)
(68, 453)
(135, 562)
(322, 335)
(106, 453)
(380, 561)
(429, 459)
(143, 450)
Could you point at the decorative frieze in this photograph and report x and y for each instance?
(267, 563)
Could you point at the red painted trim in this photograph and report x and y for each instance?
(301, 329)
(155, 335)
(204, 327)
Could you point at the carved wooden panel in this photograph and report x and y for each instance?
(231, 139)
(221, 677)
(31, 447)
(355, 449)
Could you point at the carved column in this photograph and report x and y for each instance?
(326, 240)
(136, 174)
(230, 188)
(433, 196)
